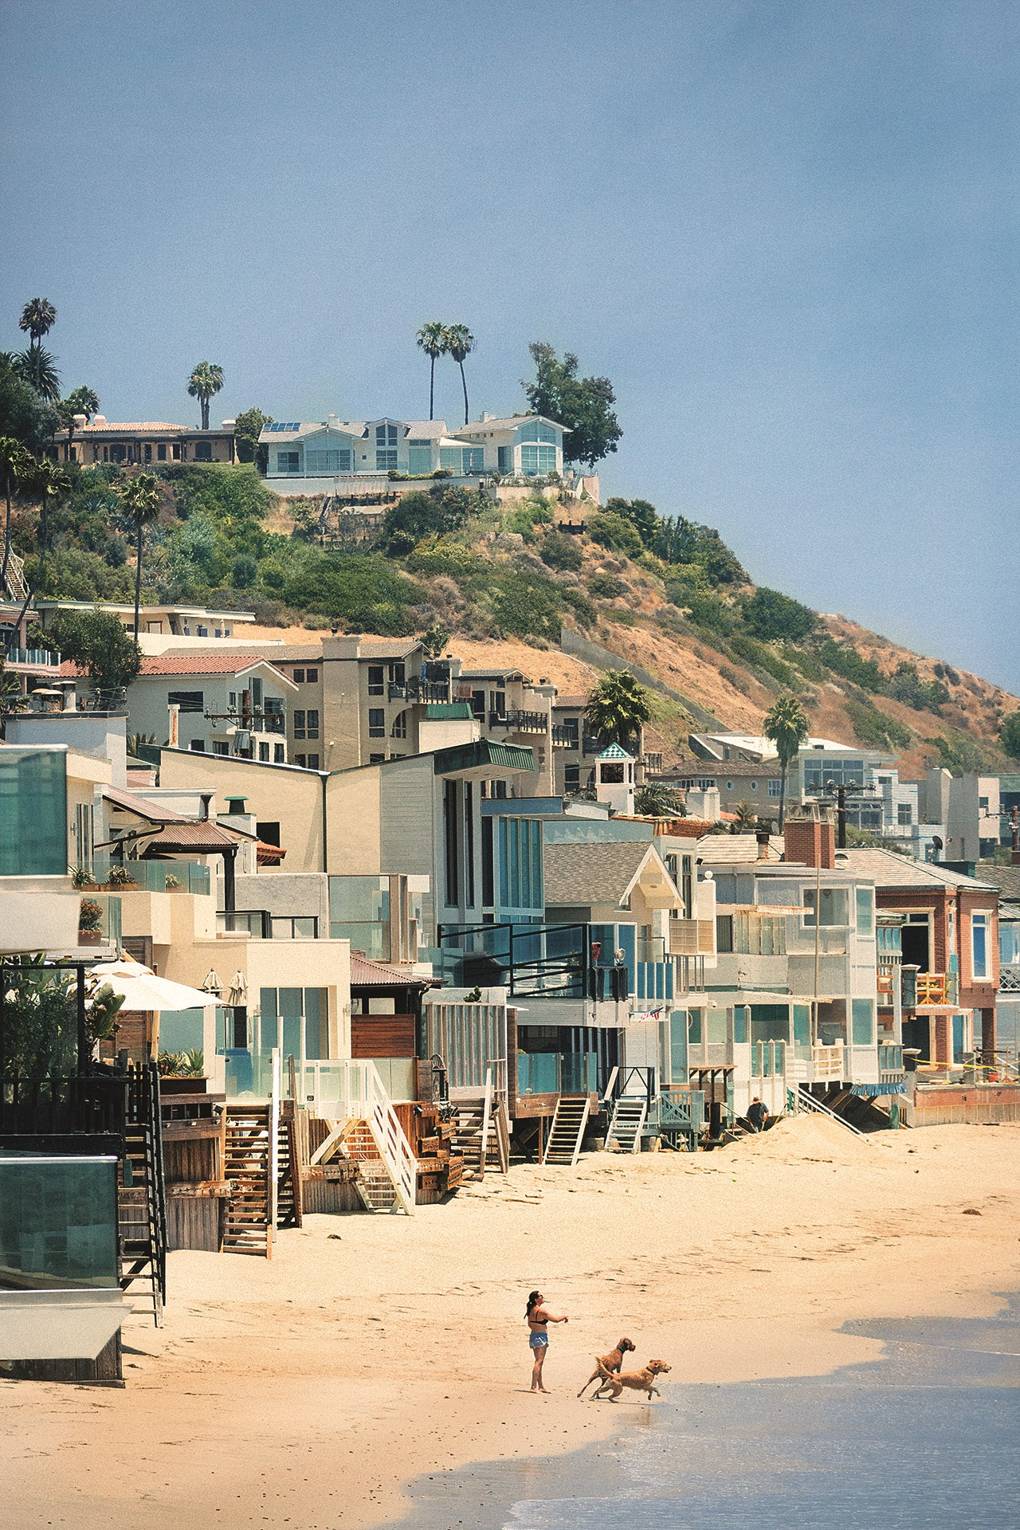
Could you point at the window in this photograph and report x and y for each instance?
(299, 759)
(188, 701)
(33, 812)
(833, 907)
(160, 453)
(398, 673)
(538, 459)
(572, 779)
(288, 462)
(84, 835)
(203, 631)
(306, 722)
(979, 945)
(536, 430)
(865, 911)
(504, 459)
(724, 932)
(268, 833)
(332, 461)
(278, 753)
(451, 458)
(313, 762)
(376, 722)
(862, 1022)
(219, 747)
(385, 448)
(419, 458)
(376, 759)
(775, 788)
(264, 753)
(754, 786)
(298, 677)
(474, 459)
(148, 452)
(376, 680)
(203, 451)
(197, 746)
(294, 1019)
(311, 677)
(904, 816)
(399, 726)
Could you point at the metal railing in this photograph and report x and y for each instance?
(257, 922)
(40, 658)
(890, 1057)
(519, 721)
(1009, 977)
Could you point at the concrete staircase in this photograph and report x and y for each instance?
(566, 1133)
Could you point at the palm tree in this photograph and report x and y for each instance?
(205, 380)
(38, 368)
(617, 708)
(745, 819)
(140, 498)
(433, 339)
(82, 401)
(657, 799)
(787, 726)
(15, 464)
(50, 482)
(37, 319)
(460, 342)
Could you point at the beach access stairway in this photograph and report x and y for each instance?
(626, 1124)
(569, 1123)
(250, 1169)
(363, 1129)
(482, 1133)
(141, 1192)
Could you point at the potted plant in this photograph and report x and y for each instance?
(90, 922)
(120, 876)
(81, 877)
(170, 882)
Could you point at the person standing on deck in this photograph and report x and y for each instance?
(757, 1114)
(538, 1318)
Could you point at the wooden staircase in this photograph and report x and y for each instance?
(374, 1183)
(624, 1134)
(471, 1138)
(566, 1133)
(289, 1207)
(248, 1221)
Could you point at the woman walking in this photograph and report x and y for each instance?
(538, 1319)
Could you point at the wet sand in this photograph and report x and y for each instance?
(309, 1390)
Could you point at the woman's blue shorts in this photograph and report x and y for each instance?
(539, 1340)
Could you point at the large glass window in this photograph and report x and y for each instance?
(376, 722)
(385, 448)
(33, 812)
(865, 911)
(538, 459)
(288, 462)
(863, 1022)
(979, 945)
(833, 906)
(452, 458)
(419, 459)
(334, 460)
(295, 1020)
(58, 1224)
(537, 430)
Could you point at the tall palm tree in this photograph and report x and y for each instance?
(433, 339)
(15, 465)
(460, 342)
(82, 401)
(745, 819)
(205, 380)
(140, 498)
(39, 369)
(37, 319)
(618, 708)
(787, 726)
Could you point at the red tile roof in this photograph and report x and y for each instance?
(197, 836)
(369, 974)
(199, 663)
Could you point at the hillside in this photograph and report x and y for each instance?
(509, 584)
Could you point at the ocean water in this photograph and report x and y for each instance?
(927, 1436)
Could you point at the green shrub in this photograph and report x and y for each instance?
(615, 532)
(679, 540)
(906, 685)
(606, 586)
(873, 729)
(759, 656)
(526, 605)
(845, 661)
(768, 615)
(586, 614)
(561, 552)
(426, 512)
(534, 511)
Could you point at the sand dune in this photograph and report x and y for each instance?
(309, 1389)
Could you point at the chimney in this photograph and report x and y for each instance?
(762, 837)
(809, 836)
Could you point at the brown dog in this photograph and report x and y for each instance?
(611, 1362)
(637, 1381)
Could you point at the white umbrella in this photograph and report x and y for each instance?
(143, 991)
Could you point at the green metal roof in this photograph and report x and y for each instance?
(614, 752)
(484, 754)
(448, 711)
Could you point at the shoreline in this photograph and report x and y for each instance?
(374, 1351)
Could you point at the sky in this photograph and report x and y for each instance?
(789, 233)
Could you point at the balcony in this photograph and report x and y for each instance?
(157, 876)
(692, 937)
(556, 1073)
(1009, 977)
(928, 988)
(564, 737)
(519, 721)
(31, 658)
(256, 922)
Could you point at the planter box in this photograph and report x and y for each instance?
(178, 1083)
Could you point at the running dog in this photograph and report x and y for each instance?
(637, 1381)
(611, 1362)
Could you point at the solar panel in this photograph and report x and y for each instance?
(285, 425)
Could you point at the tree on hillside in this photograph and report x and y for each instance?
(618, 709)
(205, 381)
(15, 465)
(434, 339)
(1009, 733)
(140, 498)
(657, 799)
(460, 342)
(770, 615)
(427, 512)
(248, 426)
(81, 401)
(615, 532)
(786, 725)
(583, 405)
(38, 368)
(23, 413)
(678, 540)
(642, 516)
(97, 642)
(49, 482)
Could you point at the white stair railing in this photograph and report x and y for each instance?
(351, 1090)
(483, 1149)
(808, 1100)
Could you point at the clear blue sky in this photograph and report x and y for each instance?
(788, 232)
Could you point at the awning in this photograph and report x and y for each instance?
(872, 1091)
(484, 757)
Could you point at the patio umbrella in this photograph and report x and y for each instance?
(143, 991)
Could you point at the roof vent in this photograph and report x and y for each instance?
(99, 419)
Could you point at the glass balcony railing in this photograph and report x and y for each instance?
(555, 1073)
(58, 1224)
(157, 876)
(36, 658)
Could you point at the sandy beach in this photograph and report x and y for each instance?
(310, 1389)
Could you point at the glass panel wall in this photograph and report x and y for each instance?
(58, 1223)
(33, 812)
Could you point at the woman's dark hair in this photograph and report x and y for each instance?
(532, 1301)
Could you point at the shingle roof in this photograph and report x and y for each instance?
(684, 769)
(197, 663)
(121, 425)
(141, 807)
(1005, 878)
(588, 873)
(196, 836)
(509, 422)
(737, 849)
(887, 869)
